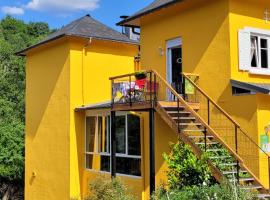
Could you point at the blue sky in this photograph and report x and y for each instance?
(60, 12)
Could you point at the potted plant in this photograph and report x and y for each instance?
(140, 75)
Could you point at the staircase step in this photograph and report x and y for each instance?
(242, 179)
(173, 108)
(263, 196)
(176, 112)
(193, 130)
(228, 164)
(251, 187)
(200, 136)
(233, 172)
(184, 118)
(215, 150)
(246, 179)
(207, 143)
(190, 124)
(219, 157)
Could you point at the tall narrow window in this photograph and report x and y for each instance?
(97, 144)
(254, 52)
(120, 124)
(264, 53)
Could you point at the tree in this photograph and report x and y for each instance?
(15, 35)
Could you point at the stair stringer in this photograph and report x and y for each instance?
(197, 151)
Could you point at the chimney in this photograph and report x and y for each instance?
(128, 31)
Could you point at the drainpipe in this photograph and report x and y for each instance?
(83, 54)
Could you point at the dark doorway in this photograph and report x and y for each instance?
(176, 56)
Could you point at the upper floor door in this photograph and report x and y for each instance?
(174, 65)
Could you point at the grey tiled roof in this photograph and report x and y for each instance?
(156, 5)
(86, 27)
(256, 87)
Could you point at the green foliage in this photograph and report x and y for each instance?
(215, 192)
(185, 169)
(15, 35)
(103, 188)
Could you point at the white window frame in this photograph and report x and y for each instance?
(126, 155)
(260, 33)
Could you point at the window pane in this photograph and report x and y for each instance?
(134, 140)
(264, 57)
(90, 133)
(254, 51)
(120, 125)
(108, 134)
(264, 43)
(105, 163)
(89, 161)
(128, 166)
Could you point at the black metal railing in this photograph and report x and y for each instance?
(230, 132)
(134, 88)
(151, 87)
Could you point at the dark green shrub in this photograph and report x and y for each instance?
(103, 188)
(185, 169)
(215, 192)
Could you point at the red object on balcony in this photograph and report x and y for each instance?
(141, 83)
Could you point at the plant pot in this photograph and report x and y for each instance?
(140, 76)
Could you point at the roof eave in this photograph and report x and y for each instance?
(129, 19)
(249, 86)
(24, 51)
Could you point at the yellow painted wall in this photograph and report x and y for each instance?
(250, 13)
(205, 52)
(163, 137)
(90, 69)
(263, 113)
(61, 76)
(47, 123)
(246, 13)
(210, 49)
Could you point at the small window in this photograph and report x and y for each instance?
(254, 51)
(240, 91)
(259, 52)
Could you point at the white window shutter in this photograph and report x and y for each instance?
(244, 45)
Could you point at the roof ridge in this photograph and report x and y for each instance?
(111, 28)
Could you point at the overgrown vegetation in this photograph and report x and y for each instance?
(185, 169)
(103, 188)
(15, 35)
(189, 178)
(224, 191)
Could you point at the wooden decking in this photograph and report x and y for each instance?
(141, 106)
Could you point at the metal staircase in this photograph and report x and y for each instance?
(205, 126)
(227, 165)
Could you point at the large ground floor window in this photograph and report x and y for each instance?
(128, 144)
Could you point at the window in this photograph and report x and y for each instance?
(97, 155)
(128, 144)
(240, 91)
(254, 51)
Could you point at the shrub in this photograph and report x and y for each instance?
(103, 188)
(215, 192)
(185, 169)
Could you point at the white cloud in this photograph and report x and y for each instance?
(62, 6)
(9, 10)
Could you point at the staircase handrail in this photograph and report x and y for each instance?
(224, 112)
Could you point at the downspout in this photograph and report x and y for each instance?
(83, 54)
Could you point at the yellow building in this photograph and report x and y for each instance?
(206, 81)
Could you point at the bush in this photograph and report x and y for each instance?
(103, 188)
(215, 192)
(185, 169)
